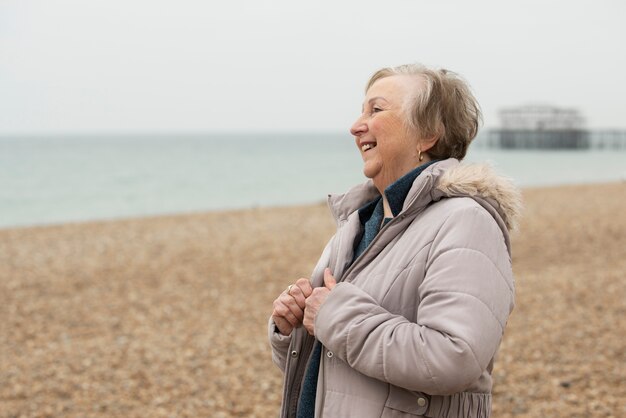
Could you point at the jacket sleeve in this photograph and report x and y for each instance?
(463, 301)
(279, 344)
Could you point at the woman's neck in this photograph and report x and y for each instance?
(388, 213)
(386, 208)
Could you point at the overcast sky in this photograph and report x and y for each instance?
(76, 66)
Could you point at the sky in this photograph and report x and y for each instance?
(158, 66)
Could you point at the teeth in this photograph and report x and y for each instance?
(365, 147)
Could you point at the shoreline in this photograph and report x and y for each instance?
(193, 213)
(130, 218)
(166, 315)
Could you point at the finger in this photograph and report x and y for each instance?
(293, 306)
(329, 280)
(284, 327)
(311, 302)
(282, 310)
(297, 295)
(288, 290)
(305, 286)
(308, 323)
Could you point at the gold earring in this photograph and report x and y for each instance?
(419, 155)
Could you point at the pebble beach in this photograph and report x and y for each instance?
(166, 316)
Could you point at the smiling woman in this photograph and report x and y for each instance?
(406, 308)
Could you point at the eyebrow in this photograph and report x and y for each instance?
(373, 99)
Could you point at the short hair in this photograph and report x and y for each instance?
(445, 108)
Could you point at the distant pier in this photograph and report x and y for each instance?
(549, 127)
(610, 139)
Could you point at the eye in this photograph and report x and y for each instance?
(377, 109)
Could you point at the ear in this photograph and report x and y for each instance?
(427, 143)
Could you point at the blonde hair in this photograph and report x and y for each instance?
(445, 108)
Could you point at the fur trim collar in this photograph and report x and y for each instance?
(480, 180)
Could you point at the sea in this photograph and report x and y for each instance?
(57, 179)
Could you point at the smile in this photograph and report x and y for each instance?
(368, 146)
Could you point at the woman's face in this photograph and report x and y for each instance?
(381, 133)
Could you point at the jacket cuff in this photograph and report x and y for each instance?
(279, 344)
(277, 339)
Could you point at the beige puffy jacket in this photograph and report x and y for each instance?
(414, 324)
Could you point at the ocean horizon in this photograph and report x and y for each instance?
(58, 179)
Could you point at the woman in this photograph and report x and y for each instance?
(407, 305)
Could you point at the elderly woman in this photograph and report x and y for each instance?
(406, 308)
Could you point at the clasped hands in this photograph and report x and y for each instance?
(299, 303)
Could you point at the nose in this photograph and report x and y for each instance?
(359, 127)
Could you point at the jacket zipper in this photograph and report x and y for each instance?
(322, 361)
(296, 384)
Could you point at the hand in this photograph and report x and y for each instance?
(317, 298)
(289, 306)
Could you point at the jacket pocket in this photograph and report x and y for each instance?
(404, 403)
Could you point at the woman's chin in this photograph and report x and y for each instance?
(371, 169)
